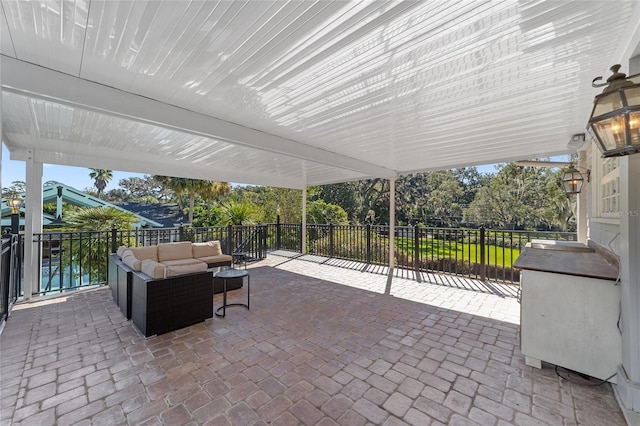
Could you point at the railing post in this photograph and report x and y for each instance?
(114, 239)
(331, 252)
(483, 271)
(5, 283)
(180, 232)
(302, 243)
(230, 239)
(416, 251)
(278, 233)
(368, 243)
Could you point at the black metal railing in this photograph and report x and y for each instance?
(476, 253)
(284, 236)
(72, 260)
(10, 279)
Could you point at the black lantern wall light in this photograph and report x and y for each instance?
(14, 201)
(572, 180)
(615, 119)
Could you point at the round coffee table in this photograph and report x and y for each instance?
(226, 275)
(239, 258)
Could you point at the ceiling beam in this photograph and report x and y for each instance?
(95, 157)
(629, 43)
(38, 82)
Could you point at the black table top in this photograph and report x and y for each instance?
(232, 273)
(584, 264)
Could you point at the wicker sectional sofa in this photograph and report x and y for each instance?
(173, 259)
(167, 286)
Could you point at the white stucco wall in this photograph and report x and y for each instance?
(606, 235)
(604, 231)
(620, 232)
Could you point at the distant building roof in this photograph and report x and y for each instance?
(70, 195)
(168, 215)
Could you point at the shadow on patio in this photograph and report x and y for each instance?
(445, 279)
(320, 345)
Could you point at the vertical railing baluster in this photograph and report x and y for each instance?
(455, 262)
(368, 244)
(483, 272)
(114, 232)
(416, 251)
(504, 276)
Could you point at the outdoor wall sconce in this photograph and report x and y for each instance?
(14, 202)
(572, 180)
(615, 119)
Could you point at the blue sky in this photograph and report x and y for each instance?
(78, 177)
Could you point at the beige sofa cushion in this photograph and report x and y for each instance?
(148, 252)
(129, 259)
(154, 269)
(173, 270)
(180, 262)
(216, 259)
(210, 248)
(121, 250)
(173, 251)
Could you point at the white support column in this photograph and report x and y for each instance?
(581, 210)
(629, 373)
(392, 223)
(32, 225)
(303, 231)
(628, 380)
(1, 149)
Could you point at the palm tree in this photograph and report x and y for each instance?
(162, 182)
(238, 213)
(101, 178)
(101, 219)
(88, 249)
(205, 188)
(219, 189)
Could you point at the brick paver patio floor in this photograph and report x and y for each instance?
(320, 346)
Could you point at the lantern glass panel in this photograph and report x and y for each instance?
(572, 181)
(634, 127)
(607, 103)
(633, 96)
(611, 131)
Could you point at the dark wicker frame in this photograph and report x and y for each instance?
(124, 289)
(160, 306)
(166, 304)
(112, 275)
(119, 279)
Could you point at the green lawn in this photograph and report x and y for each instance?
(434, 248)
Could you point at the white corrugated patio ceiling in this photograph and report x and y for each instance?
(304, 92)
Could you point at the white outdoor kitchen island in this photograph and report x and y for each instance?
(570, 307)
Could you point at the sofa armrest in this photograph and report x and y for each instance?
(215, 261)
(129, 259)
(152, 268)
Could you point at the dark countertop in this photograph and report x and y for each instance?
(589, 262)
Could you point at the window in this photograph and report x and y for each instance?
(609, 191)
